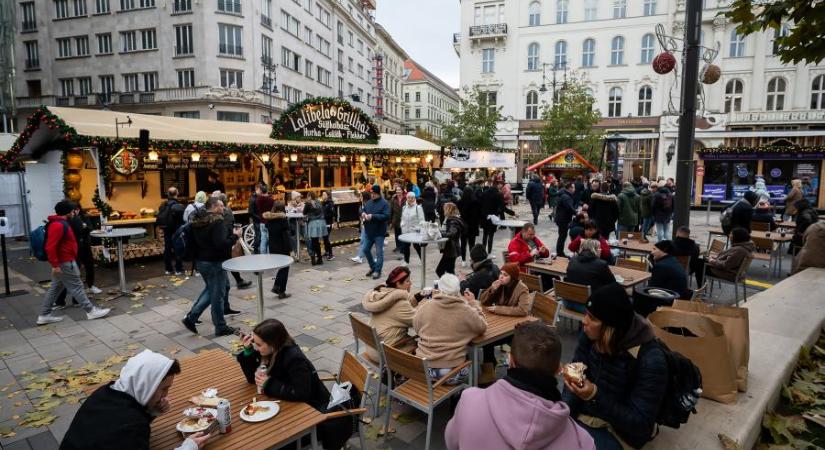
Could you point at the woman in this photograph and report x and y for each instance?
(592, 232)
(411, 217)
(328, 205)
(279, 244)
(291, 376)
(453, 229)
(468, 207)
(392, 308)
(793, 196)
(764, 214)
(397, 206)
(316, 227)
(626, 373)
(588, 269)
(428, 201)
(604, 210)
(576, 227)
(806, 216)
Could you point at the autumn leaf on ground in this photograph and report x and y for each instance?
(250, 322)
(4, 354)
(171, 350)
(347, 279)
(136, 305)
(183, 301)
(137, 287)
(7, 432)
(333, 340)
(309, 327)
(305, 349)
(326, 308)
(249, 297)
(728, 443)
(329, 317)
(316, 288)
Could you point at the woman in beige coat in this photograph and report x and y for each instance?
(794, 195)
(392, 308)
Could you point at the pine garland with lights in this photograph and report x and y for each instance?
(278, 125)
(762, 149)
(104, 208)
(41, 116)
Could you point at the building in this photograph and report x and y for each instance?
(7, 63)
(428, 100)
(226, 60)
(389, 75)
(522, 52)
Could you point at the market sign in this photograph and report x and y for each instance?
(460, 154)
(166, 163)
(125, 162)
(325, 119)
(482, 160)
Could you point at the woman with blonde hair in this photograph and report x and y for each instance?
(588, 269)
(454, 228)
(793, 196)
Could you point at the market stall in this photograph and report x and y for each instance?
(566, 164)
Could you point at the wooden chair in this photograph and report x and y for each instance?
(765, 250)
(575, 293)
(760, 226)
(545, 307)
(632, 264)
(739, 278)
(716, 246)
(356, 373)
(419, 391)
(368, 335)
(533, 282)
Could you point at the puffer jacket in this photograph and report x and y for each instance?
(535, 192)
(482, 277)
(813, 248)
(391, 313)
(629, 208)
(453, 229)
(604, 210)
(519, 303)
(279, 231)
(411, 218)
(661, 205)
(428, 199)
(329, 210)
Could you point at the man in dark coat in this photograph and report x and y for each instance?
(577, 195)
(667, 273)
(742, 212)
(535, 195)
(661, 207)
(484, 272)
(376, 215)
(174, 219)
(683, 245)
(255, 215)
(564, 214)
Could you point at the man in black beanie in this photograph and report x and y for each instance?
(485, 272)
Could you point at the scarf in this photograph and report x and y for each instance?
(536, 382)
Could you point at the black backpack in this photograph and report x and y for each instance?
(684, 386)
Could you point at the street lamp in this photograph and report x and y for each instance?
(270, 86)
(554, 67)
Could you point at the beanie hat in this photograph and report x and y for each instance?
(512, 270)
(611, 306)
(477, 253)
(376, 188)
(665, 246)
(449, 284)
(63, 207)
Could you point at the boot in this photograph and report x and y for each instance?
(488, 374)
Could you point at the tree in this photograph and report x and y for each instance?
(426, 135)
(569, 122)
(473, 125)
(805, 40)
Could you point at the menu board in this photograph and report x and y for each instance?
(178, 178)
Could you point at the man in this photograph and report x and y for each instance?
(661, 206)
(484, 272)
(229, 222)
(683, 245)
(667, 273)
(579, 184)
(61, 249)
(213, 183)
(524, 409)
(170, 218)
(629, 209)
(263, 203)
(213, 245)
(119, 415)
(84, 257)
(742, 212)
(525, 247)
(376, 215)
(594, 187)
(535, 195)
(255, 215)
(564, 214)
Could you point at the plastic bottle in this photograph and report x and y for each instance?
(261, 370)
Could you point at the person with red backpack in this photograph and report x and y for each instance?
(61, 250)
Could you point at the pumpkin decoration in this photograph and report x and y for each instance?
(710, 74)
(663, 63)
(74, 160)
(72, 178)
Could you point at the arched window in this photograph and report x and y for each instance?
(534, 14)
(560, 59)
(733, 96)
(588, 53)
(648, 47)
(737, 44)
(776, 94)
(645, 101)
(533, 56)
(614, 102)
(532, 105)
(561, 11)
(617, 51)
(818, 93)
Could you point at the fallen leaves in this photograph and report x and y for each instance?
(136, 305)
(309, 327)
(250, 322)
(316, 288)
(333, 340)
(329, 317)
(4, 354)
(326, 308)
(249, 297)
(728, 443)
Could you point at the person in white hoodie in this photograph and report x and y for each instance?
(412, 214)
(118, 416)
(523, 410)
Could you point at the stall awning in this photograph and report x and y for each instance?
(568, 159)
(482, 160)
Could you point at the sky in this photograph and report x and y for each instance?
(424, 29)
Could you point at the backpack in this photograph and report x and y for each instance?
(183, 242)
(37, 240)
(726, 216)
(684, 386)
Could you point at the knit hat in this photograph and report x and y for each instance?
(665, 246)
(477, 253)
(63, 207)
(611, 306)
(449, 284)
(512, 270)
(376, 188)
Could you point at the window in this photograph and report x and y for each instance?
(81, 44)
(102, 7)
(780, 32)
(340, 32)
(290, 59)
(488, 60)
(183, 40)
(150, 81)
(733, 96)
(229, 6)
(64, 48)
(489, 100)
(645, 101)
(147, 3)
(126, 5)
(360, 71)
(737, 44)
(360, 46)
(776, 94)
(308, 35)
(534, 14)
(323, 15)
(648, 47)
(128, 41)
(107, 86)
(291, 95)
(266, 50)
(79, 7)
(407, 97)
(533, 56)
(323, 46)
(818, 93)
(104, 43)
(290, 24)
(231, 78)
(230, 40)
(649, 7)
(61, 9)
(561, 11)
(350, 64)
(617, 51)
(619, 9)
(351, 36)
(614, 102)
(148, 39)
(29, 18)
(418, 96)
(324, 76)
(32, 55)
(186, 78)
(266, 13)
(532, 105)
(233, 116)
(588, 53)
(130, 82)
(188, 114)
(417, 113)
(85, 84)
(591, 10)
(309, 69)
(560, 57)
(67, 87)
(181, 6)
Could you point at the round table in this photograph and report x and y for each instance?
(417, 238)
(118, 234)
(257, 264)
(513, 224)
(298, 218)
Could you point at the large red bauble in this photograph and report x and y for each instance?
(664, 63)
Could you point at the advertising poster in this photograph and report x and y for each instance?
(716, 191)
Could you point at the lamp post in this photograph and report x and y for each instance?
(270, 86)
(554, 67)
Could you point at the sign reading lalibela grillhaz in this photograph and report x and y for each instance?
(326, 121)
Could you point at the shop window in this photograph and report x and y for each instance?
(742, 178)
(715, 181)
(778, 175)
(808, 172)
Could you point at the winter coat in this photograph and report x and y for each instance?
(565, 210)
(453, 229)
(213, 242)
(804, 219)
(470, 210)
(329, 210)
(576, 229)
(667, 273)
(589, 270)
(645, 203)
(552, 196)
(630, 384)
(391, 313)
(443, 199)
(175, 215)
(445, 325)
(518, 303)
(578, 194)
(790, 201)
(263, 204)
(812, 253)
(252, 209)
(381, 215)
(741, 216)
(507, 194)
(629, 208)
(313, 210)
(428, 202)
(518, 251)
(492, 204)
(687, 247)
(727, 263)
(535, 193)
(482, 277)
(604, 210)
(396, 209)
(411, 218)
(279, 231)
(661, 205)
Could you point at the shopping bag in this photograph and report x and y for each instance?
(703, 341)
(736, 326)
(339, 394)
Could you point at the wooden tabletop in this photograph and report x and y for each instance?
(787, 224)
(218, 369)
(559, 267)
(773, 236)
(633, 245)
(498, 327)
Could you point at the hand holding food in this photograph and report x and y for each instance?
(574, 373)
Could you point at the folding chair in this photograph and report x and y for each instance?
(356, 373)
(533, 282)
(738, 278)
(632, 264)
(572, 292)
(362, 332)
(545, 307)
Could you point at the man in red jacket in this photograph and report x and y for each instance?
(526, 247)
(61, 248)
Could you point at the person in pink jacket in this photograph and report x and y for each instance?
(524, 409)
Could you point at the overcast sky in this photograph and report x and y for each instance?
(424, 29)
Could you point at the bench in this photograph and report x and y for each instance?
(782, 319)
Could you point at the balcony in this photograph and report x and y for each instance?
(126, 99)
(82, 100)
(493, 31)
(63, 101)
(147, 97)
(28, 26)
(457, 44)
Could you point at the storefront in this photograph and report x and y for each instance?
(566, 164)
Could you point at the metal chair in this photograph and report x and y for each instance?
(572, 292)
(419, 391)
(765, 251)
(362, 332)
(545, 307)
(738, 278)
(533, 282)
(698, 294)
(634, 264)
(356, 373)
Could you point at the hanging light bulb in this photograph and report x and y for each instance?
(265, 157)
(362, 158)
(429, 158)
(398, 159)
(153, 155)
(319, 158)
(293, 157)
(196, 157)
(233, 157)
(343, 159)
(286, 158)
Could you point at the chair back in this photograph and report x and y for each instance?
(684, 261)
(573, 292)
(632, 264)
(742, 272)
(760, 226)
(504, 256)
(363, 332)
(533, 282)
(626, 234)
(353, 371)
(545, 307)
(408, 365)
(716, 246)
(762, 244)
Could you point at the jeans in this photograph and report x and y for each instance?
(263, 245)
(488, 236)
(69, 277)
(280, 280)
(445, 265)
(169, 254)
(362, 247)
(602, 437)
(256, 241)
(467, 241)
(647, 222)
(460, 377)
(215, 293)
(663, 230)
(560, 241)
(377, 263)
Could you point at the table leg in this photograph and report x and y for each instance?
(121, 269)
(707, 216)
(313, 438)
(474, 366)
(423, 265)
(297, 241)
(260, 296)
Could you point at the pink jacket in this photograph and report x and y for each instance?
(505, 417)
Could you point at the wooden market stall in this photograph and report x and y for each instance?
(565, 164)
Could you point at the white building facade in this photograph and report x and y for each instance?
(428, 101)
(389, 68)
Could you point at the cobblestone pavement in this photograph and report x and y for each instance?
(316, 316)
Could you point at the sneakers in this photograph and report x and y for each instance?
(59, 307)
(97, 313)
(244, 284)
(189, 324)
(403, 264)
(95, 290)
(231, 313)
(43, 320)
(370, 273)
(177, 274)
(376, 275)
(330, 257)
(225, 331)
(356, 259)
(166, 272)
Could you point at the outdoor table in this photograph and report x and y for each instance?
(416, 238)
(630, 277)
(776, 237)
(513, 224)
(257, 264)
(294, 420)
(298, 218)
(118, 234)
(633, 246)
(498, 327)
(709, 198)
(787, 224)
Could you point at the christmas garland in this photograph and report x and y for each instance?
(41, 116)
(279, 125)
(104, 208)
(762, 149)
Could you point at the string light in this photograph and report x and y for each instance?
(265, 157)
(153, 156)
(233, 157)
(293, 157)
(196, 156)
(319, 158)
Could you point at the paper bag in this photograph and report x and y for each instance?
(736, 326)
(339, 394)
(237, 249)
(702, 341)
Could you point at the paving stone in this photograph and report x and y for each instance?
(96, 353)
(44, 441)
(305, 340)
(19, 445)
(56, 351)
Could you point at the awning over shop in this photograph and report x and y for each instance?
(568, 159)
(482, 160)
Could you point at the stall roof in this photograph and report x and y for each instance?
(560, 154)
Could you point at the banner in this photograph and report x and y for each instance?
(482, 160)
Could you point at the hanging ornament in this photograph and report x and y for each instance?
(663, 63)
(710, 74)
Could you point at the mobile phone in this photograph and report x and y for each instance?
(213, 428)
(239, 333)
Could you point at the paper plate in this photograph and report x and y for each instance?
(184, 427)
(619, 279)
(260, 416)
